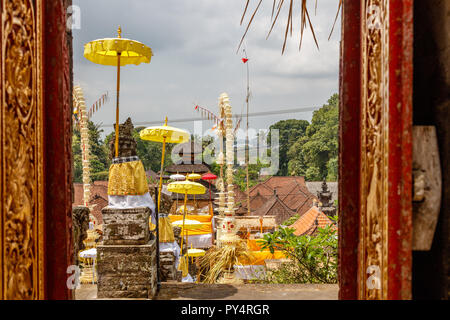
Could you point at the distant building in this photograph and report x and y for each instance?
(310, 222)
(190, 161)
(98, 200)
(281, 197)
(327, 193)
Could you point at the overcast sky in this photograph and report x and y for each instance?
(194, 43)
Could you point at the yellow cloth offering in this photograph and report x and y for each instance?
(184, 266)
(205, 228)
(165, 230)
(127, 179)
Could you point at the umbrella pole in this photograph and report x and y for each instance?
(117, 106)
(161, 172)
(184, 215)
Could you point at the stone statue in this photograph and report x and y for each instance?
(80, 221)
(127, 144)
(325, 197)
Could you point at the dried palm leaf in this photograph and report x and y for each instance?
(335, 19)
(304, 20)
(216, 261)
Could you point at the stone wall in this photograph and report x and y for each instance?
(127, 271)
(126, 261)
(167, 267)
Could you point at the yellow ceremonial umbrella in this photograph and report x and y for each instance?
(164, 134)
(117, 52)
(192, 177)
(186, 187)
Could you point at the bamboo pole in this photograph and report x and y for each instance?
(119, 35)
(162, 168)
(184, 216)
(117, 106)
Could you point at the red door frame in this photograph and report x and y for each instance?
(396, 273)
(376, 230)
(57, 146)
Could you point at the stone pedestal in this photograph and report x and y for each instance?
(126, 261)
(126, 226)
(167, 265)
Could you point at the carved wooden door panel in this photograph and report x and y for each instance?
(35, 158)
(375, 150)
(21, 122)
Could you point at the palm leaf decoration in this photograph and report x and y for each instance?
(277, 5)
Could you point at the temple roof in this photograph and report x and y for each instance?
(187, 168)
(308, 223)
(99, 197)
(291, 191)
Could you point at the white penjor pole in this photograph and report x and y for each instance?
(79, 102)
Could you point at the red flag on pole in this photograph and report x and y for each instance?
(244, 60)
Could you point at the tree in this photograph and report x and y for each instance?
(290, 131)
(149, 152)
(99, 161)
(314, 257)
(240, 175)
(315, 155)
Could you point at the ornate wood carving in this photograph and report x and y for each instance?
(373, 264)
(21, 171)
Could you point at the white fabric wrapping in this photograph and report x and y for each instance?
(249, 272)
(131, 202)
(188, 278)
(91, 253)
(200, 241)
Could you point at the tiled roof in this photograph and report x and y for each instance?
(99, 197)
(291, 191)
(274, 206)
(308, 223)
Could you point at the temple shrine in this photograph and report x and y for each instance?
(191, 161)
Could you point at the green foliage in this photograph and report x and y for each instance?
(291, 220)
(240, 175)
(150, 152)
(100, 176)
(315, 154)
(313, 258)
(289, 132)
(99, 161)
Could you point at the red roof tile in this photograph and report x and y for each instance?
(308, 223)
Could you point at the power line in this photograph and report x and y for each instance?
(254, 114)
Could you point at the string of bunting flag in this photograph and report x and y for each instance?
(94, 108)
(205, 113)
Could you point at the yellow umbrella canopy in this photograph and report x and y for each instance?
(106, 51)
(117, 52)
(196, 252)
(193, 176)
(164, 134)
(186, 187)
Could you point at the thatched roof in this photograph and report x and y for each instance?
(187, 168)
